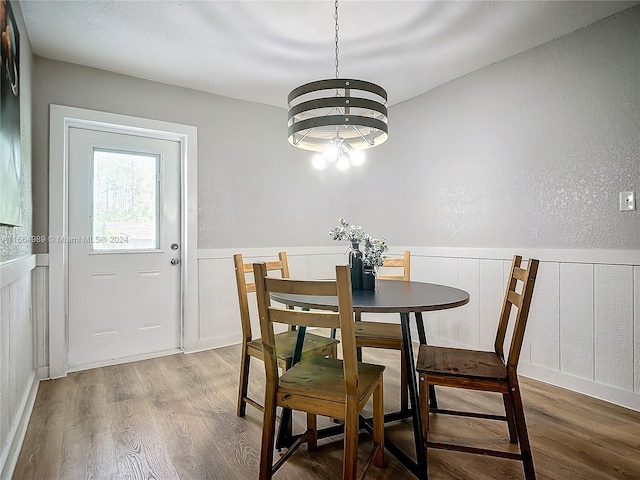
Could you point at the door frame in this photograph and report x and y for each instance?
(62, 118)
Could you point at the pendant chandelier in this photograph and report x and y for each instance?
(338, 117)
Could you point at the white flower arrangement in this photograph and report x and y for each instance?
(344, 231)
(373, 255)
(373, 248)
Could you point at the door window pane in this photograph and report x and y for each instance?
(125, 201)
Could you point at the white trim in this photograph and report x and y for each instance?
(118, 361)
(608, 257)
(61, 119)
(42, 259)
(9, 456)
(596, 256)
(16, 269)
(217, 342)
(218, 253)
(42, 373)
(586, 387)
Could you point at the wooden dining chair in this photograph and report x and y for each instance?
(388, 335)
(313, 344)
(318, 385)
(486, 371)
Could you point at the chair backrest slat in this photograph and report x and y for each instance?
(515, 298)
(404, 262)
(245, 288)
(305, 319)
(519, 301)
(343, 319)
(302, 287)
(520, 274)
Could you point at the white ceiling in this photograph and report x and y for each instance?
(260, 50)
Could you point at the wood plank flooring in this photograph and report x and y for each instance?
(174, 418)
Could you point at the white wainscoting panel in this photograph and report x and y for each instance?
(40, 277)
(614, 325)
(219, 319)
(449, 319)
(544, 317)
(584, 326)
(469, 281)
(428, 271)
(491, 297)
(18, 383)
(577, 326)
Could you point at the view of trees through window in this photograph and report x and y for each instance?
(125, 201)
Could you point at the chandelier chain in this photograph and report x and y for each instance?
(337, 49)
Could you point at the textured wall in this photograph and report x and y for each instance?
(254, 189)
(531, 151)
(10, 248)
(549, 136)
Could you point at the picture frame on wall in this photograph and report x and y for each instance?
(10, 151)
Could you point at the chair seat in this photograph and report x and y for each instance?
(286, 341)
(321, 377)
(455, 362)
(378, 334)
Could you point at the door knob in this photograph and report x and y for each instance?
(175, 261)
(174, 246)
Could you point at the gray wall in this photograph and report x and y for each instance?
(529, 152)
(9, 249)
(254, 189)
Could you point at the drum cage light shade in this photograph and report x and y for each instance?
(353, 110)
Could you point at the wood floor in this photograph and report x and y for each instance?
(174, 418)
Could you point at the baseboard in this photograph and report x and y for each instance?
(42, 373)
(218, 342)
(9, 457)
(590, 388)
(118, 361)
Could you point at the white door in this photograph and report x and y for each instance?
(124, 247)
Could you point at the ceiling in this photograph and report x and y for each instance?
(260, 50)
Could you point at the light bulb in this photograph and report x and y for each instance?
(331, 153)
(356, 157)
(343, 163)
(319, 162)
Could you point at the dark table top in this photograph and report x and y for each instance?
(391, 296)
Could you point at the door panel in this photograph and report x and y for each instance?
(124, 204)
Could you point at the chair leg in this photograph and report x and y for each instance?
(244, 382)
(523, 437)
(312, 440)
(351, 431)
(378, 425)
(268, 434)
(424, 406)
(404, 387)
(511, 420)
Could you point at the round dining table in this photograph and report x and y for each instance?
(391, 296)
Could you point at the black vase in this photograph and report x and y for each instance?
(368, 279)
(355, 261)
